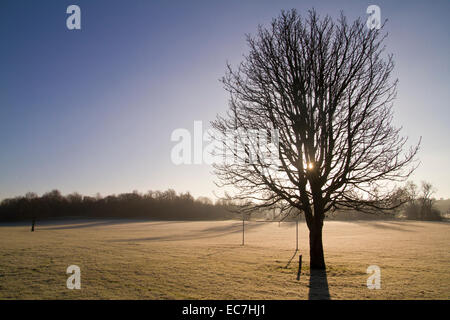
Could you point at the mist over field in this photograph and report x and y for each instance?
(205, 260)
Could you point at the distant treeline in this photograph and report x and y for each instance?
(166, 205)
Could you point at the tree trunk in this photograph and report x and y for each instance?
(317, 260)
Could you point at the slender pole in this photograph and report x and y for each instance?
(243, 228)
(296, 235)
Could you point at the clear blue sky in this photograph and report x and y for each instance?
(93, 110)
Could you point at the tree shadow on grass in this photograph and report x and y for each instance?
(318, 285)
(99, 222)
(80, 225)
(388, 225)
(207, 233)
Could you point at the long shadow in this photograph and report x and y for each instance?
(402, 223)
(318, 285)
(88, 223)
(387, 225)
(211, 232)
(84, 224)
(292, 258)
(63, 223)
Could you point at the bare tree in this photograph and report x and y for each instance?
(323, 89)
(420, 204)
(426, 199)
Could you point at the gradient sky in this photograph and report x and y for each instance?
(93, 110)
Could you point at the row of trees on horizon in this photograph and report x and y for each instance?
(169, 205)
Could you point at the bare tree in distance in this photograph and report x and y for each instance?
(420, 204)
(326, 87)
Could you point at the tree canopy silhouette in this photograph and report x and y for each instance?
(325, 87)
(164, 205)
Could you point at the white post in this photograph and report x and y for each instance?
(243, 219)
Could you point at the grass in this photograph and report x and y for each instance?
(204, 260)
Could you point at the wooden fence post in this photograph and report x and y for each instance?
(299, 267)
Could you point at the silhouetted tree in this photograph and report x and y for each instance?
(167, 205)
(326, 89)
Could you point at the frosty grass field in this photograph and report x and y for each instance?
(123, 259)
